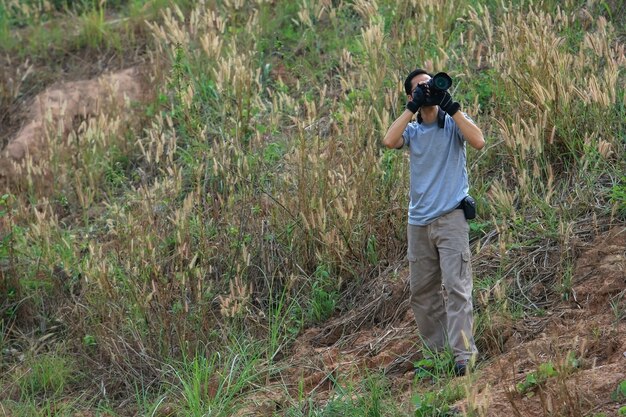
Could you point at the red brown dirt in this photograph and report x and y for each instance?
(58, 106)
(591, 326)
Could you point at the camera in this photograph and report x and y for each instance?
(431, 90)
(440, 81)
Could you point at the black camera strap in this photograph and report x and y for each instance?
(441, 118)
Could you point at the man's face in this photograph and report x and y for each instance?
(418, 79)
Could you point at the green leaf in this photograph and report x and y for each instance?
(620, 392)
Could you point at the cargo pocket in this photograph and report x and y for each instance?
(466, 266)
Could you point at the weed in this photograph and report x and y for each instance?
(618, 306)
(437, 402)
(94, 29)
(537, 378)
(10, 286)
(545, 371)
(47, 375)
(211, 384)
(285, 319)
(620, 392)
(323, 295)
(369, 397)
(435, 366)
(618, 196)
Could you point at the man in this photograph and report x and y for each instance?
(437, 231)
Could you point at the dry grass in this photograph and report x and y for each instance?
(170, 231)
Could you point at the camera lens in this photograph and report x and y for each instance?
(442, 81)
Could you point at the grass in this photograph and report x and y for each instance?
(46, 376)
(369, 397)
(212, 385)
(250, 197)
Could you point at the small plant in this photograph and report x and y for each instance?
(368, 398)
(10, 287)
(620, 392)
(546, 371)
(89, 341)
(323, 296)
(537, 378)
(618, 306)
(211, 384)
(437, 403)
(48, 375)
(618, 196)
(5, 243)
(436, 366)
(94, 27)
(285, 320)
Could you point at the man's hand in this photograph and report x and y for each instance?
(418, 99)
(444, 100)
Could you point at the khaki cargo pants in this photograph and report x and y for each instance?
(439, 260)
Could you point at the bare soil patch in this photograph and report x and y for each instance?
(381, 336)
(61, 105)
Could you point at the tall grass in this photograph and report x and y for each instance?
(259, 164)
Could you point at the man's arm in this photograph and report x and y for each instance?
(393, 137)
(472, 133)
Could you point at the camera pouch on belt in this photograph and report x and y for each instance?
(469, 207)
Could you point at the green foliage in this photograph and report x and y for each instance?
(536, 378)
(54, 28)
(485, 87)
(10, 286)
(617, 196)
(545, 371)
(478, 229)
(435, 366)
(45, 408)
(94, 29)
(324, 295)
(370, 398)
(285, 319)
(211, 384)
(48, 375)
(620, 392)
(273, 152)
(438, 402)
(6, 238)
(89, 340)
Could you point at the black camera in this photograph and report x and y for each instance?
(440, 81)
(432, 89)
(432, 92)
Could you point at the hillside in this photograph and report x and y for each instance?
(198, 217)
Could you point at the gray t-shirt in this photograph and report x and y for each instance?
(438, 173)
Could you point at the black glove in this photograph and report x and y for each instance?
(418, 99)
(444, 100)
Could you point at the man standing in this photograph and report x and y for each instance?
(437, 231)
